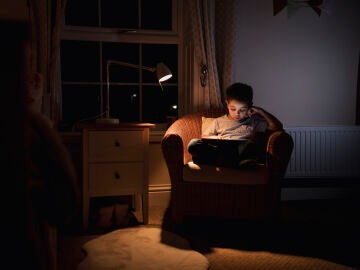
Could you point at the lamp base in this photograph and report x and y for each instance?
(107, 121)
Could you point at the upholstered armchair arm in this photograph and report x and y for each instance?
(278, 152)
(174, 144)
(186, 128)
(172, 148)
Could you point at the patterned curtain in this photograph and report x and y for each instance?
(226, 39)
(209, 41)
(46, 19)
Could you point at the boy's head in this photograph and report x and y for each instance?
(238, 100)
(240, 92)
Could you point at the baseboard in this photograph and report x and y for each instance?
(319, 188)
(159, 188)
(307, 190)
(288, 194)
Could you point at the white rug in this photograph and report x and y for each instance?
(141, 248)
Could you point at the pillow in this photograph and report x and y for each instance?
(206, 121)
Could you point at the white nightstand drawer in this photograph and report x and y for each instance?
(114, 178)
(116, 146)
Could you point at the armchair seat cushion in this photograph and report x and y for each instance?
(220, 175)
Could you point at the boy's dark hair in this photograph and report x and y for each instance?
(241, 92)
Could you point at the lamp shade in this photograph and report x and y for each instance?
(163, 73)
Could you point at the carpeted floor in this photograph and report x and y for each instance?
(310, 235)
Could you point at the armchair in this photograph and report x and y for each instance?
(207, 190)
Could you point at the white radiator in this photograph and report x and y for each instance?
(325, 151)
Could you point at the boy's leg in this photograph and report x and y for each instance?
(202, 151)
(231, 153)
(247, 150)
(247, 155)
(228, 154)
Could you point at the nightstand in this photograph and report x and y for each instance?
(115, 163)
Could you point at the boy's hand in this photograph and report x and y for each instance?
(255, 110)
(273, 122)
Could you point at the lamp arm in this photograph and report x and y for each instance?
(163, 73)
(109, 62)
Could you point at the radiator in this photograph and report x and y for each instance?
(324, 151)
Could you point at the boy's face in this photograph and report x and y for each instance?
(237, 109)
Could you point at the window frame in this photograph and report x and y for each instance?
(140, 36)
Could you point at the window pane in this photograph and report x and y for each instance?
(119, 13)
(79, 102)
(80, 61)
(158, 104)
(171, 97)
(124, 103)
(124, 52)
(82, 13)
(156, 14)
(155, 53)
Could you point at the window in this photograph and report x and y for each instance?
(128, 31)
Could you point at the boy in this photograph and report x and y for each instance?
(229, 140)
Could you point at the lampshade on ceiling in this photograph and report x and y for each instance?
(163, 73)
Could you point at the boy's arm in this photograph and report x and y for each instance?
(274, 124)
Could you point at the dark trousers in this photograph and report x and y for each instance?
(225, 153)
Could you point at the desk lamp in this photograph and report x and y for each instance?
(163, 73)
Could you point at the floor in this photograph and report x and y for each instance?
(325, 229)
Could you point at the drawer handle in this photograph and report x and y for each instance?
(117, 143)
(116, 175)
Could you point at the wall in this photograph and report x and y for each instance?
(159, 179)
(303, 68)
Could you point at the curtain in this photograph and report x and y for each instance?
(226, 41)
(46, 20)
(209, 42)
